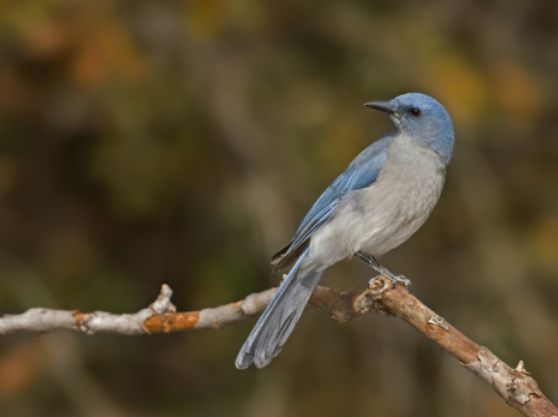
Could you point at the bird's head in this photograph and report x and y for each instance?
(421, 118)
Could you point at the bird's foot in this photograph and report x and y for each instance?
(382, 270)
(395, 279)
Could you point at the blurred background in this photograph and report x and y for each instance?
(146, 142)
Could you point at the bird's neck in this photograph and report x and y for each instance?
(408, 145)
(407, 150)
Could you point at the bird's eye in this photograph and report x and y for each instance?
(415, 111)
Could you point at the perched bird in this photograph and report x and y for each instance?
(380, 200)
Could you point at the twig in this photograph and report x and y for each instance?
(516, 386)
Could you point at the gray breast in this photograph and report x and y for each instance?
(399, 203)
(381, 217)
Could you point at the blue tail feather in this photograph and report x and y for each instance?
(279, 318)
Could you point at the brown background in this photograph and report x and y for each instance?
(144, 142)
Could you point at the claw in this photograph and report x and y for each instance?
(399, 279)
(382, 270)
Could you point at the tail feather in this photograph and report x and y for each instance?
(279, 318)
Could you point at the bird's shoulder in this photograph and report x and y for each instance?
(366, 166)
(376, 148)
(360, 173)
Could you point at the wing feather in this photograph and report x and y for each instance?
(361, 173)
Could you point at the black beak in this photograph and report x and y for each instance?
(385, 106)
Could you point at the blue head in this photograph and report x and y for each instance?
(421, 118)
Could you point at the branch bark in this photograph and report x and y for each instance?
(515, 385)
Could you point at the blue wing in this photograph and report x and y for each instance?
(361, 173)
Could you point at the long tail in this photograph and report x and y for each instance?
(279, 318)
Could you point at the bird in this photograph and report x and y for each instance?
(382, 198)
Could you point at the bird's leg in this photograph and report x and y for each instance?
(382, 270)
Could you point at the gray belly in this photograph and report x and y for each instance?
(381, 217)
(401, 212)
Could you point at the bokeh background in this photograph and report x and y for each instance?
(144, 142)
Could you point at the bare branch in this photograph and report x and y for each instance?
(515, 385)
(46, 319)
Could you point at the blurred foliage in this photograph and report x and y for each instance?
(145, 142)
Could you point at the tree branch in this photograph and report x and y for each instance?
(514, 385)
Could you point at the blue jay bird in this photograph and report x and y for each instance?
(383, 197)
